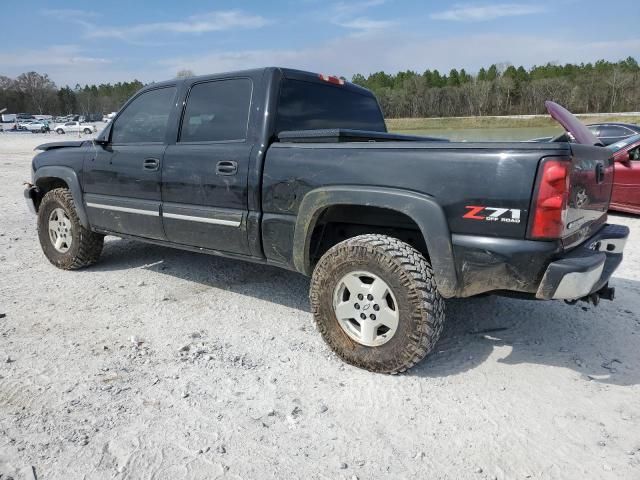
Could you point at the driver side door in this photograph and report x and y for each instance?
(122, 179)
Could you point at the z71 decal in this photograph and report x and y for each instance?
(493, 214)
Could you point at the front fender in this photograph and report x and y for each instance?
(70, 177)
(423, 209)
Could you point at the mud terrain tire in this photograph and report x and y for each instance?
(405, 274)
(82, 247)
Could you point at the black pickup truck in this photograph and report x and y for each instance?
(297, 170)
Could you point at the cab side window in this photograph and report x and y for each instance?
(145, 119)
(217, 111)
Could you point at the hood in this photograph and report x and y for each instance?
(572, 125)
(50, 146)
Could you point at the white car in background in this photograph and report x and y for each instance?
(34, 126)
(74, 127)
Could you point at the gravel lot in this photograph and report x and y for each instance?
(158, 363)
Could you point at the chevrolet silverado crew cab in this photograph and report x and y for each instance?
(297, 170)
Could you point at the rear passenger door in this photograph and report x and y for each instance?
(204, 174)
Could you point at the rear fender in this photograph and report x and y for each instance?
(422, 209)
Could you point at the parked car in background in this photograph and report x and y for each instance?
(9, 117)
(74, 127)
(34, 126)
(608, 133)
(626, 181)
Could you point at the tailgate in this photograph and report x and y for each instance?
(591, 181)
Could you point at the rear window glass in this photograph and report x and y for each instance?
(609, 131)
(309, 106)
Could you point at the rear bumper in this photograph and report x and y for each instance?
(587, 268)
(537, 269)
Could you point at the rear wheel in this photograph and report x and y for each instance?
(59, 131)
(376, 304)
(64, 241)
(87, 131)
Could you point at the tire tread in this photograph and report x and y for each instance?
(90, 243)
(397, 257)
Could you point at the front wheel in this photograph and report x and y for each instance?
(64, 241)
(376, 304)
(59, 131)
(87, 131)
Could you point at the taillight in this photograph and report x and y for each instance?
(550, 203)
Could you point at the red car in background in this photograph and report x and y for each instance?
(626, 182)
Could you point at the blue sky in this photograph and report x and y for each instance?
(107, 41)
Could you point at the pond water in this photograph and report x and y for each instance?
(488, 134)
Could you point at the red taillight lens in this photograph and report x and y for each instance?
(331, 79)
(550, 204)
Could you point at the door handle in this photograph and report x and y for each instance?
(599, 173)
(151, 164)
(226, 167)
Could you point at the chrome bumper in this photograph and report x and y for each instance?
(587, 268)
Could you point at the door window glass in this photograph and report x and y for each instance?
(217, 111)
(145, 119)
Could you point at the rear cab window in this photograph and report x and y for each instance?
(305, 105)
(217, 111)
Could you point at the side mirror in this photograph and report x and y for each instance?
(103, 137)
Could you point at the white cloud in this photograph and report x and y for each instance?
(343, 15)
(390, 51)
(394, 52)
(480, 13)
(364, 24)
(68, 13)
(354, 8)
(55, 55)
(215, 21)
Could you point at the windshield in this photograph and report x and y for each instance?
(614, 147)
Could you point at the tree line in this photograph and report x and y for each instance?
(36, 93)
(504, 89)
(500, 89)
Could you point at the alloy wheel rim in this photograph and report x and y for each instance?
(60, 231)
(366, 308)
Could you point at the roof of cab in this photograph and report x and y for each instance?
(256, 72)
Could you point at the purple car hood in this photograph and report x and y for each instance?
(571, 124)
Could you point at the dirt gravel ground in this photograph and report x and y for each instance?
(158, 363)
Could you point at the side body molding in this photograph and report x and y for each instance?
(71, 179)
(423, 209)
